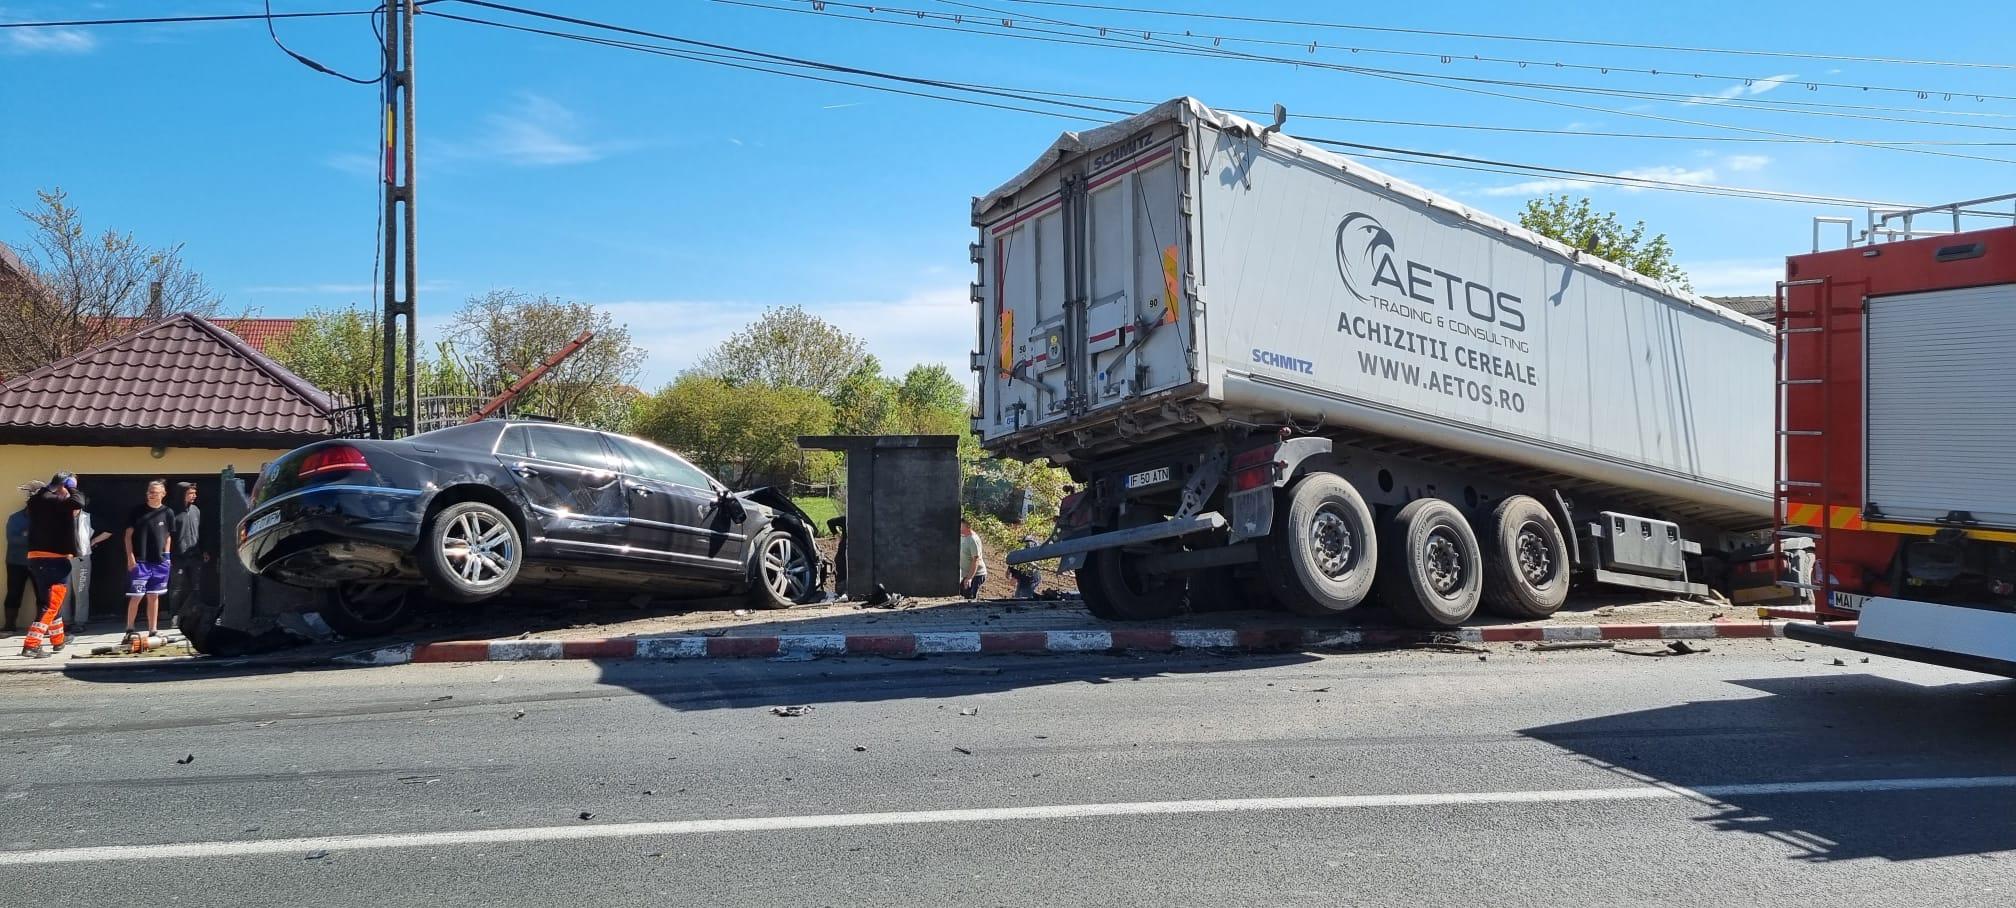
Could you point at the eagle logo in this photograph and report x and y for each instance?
(1364, 254)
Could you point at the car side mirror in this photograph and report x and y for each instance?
(732, 506)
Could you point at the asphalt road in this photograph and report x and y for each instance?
(1579, 778)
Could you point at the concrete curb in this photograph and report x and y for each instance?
(1120, 639)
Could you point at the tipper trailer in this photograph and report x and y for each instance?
(1273, 370)
(1898, 427)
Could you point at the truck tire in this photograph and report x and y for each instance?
(1526, 569)
(1432, 572)
(1321, 557)
(1113, 590)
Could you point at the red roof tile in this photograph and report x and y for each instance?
(259, 333)
(181, 375)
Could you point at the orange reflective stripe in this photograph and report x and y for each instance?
(1169, 287)
(1845, 519)
(33, 553)
(1803, 515)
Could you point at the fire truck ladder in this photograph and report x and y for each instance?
(1820, 322)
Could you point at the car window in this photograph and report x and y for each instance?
(578, 447)
(653, 462)
(515, 443)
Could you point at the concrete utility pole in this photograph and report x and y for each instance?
(399, 232)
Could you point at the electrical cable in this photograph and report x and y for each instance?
(1423, 79)
(1426, 158)
(1449, 57)
(1537, 39)
(164, 20)
(311, 64)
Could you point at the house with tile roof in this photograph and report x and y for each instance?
(178, 399)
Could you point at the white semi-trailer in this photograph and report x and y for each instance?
(1271, 368)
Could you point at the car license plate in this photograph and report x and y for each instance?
(262, 524)
(1148, 478)
(1849, 602)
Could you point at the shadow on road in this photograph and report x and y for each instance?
(1828, 727)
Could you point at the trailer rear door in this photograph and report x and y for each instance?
(1088, 289)
(1941, 398)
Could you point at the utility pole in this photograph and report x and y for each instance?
(399, 232)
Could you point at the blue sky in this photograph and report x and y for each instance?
(686, 197)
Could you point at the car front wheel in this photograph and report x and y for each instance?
(783, 572)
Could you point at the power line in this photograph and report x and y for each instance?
(164, 20)
(1522, 63)
(1166, 46)
(318, 67)
(1425, 158)
(1535, 39)
(1433, 80)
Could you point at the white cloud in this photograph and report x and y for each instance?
(1749, 88)
(1734, 277)
(1666, 173)
(537, 131)
(1746, 163)
(933, 326)
(1692, 176)
(47, 41)
(1535, 187)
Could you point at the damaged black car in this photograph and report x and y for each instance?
(466, 513)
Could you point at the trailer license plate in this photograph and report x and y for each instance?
(262, 524)
(1148, 478)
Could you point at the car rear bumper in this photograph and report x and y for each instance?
(326, 534)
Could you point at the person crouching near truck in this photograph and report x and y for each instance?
(150, 540)
(52, 542)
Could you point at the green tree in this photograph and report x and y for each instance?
(499, 336)
(1577, 224)
(787, 347)
(334, 349)
(866, 402)
(737, 432)
(929, 401)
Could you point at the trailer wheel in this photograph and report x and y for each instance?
(1433, 576)
(1321, 559)
(1116, 591)
(1526, 573)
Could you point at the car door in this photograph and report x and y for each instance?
(574, 486)
(677, 511)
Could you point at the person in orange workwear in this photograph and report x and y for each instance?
(52, 542)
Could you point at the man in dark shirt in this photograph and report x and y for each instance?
(52, 540)
(150, 538)
(186, 575)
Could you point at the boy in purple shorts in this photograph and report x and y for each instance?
(150, 534)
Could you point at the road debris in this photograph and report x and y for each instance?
(789, 712)
(741, 613)
(1839, 662)
(1674, 648)
(1309, 690)
(192, 757)
(518, 715)
(419, 780)
(586, 815)
(962, 750)
(859, 749)
(1441, 647)
(796, 655)
(970, 711)
(1683, 648)
(316, 855)
(1572, 644)
(442, 699)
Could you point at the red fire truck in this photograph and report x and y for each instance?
(1897, 433)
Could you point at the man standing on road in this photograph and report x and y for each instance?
(972, 564)
(18, 579)
(186, 578)
(150, 542)
(52, 540)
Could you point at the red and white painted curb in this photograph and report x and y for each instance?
(1068, 641)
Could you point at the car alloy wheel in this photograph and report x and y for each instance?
(785, 568)
(479, 547)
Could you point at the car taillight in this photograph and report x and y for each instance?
(1253, 469)
(336, 459)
